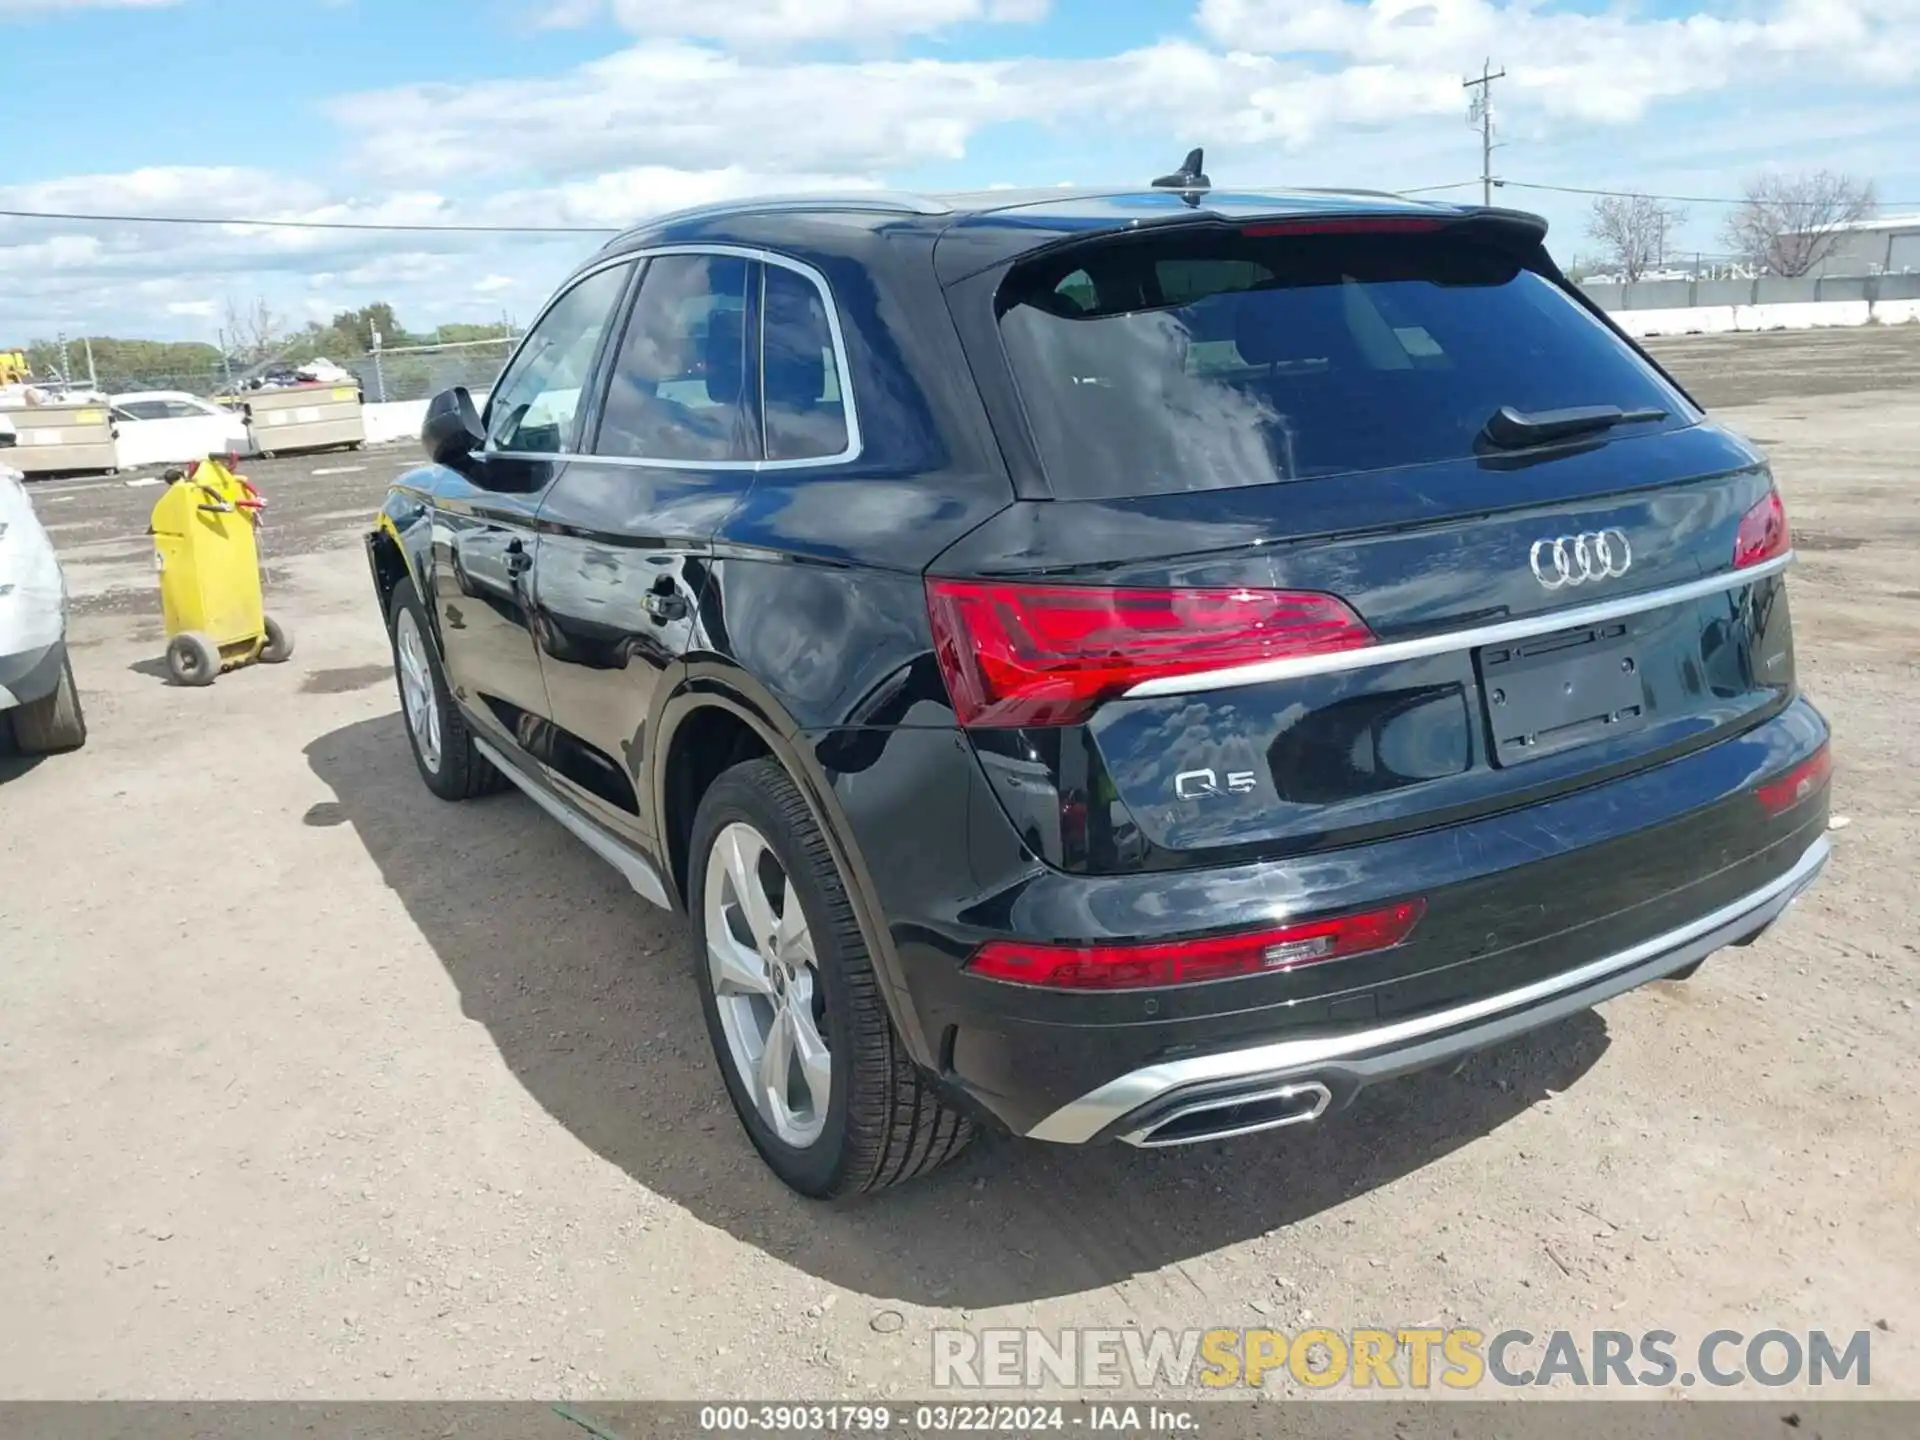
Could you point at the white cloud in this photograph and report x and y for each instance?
(1607, 67)
(700, 106)
(197, 309)
(620, 198)
(779, 22)
(1278, 73)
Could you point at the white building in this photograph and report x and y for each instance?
(1887, 246)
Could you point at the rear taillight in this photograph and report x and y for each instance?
(1763, 533)
(1188, 962)
(1018, 654)
(1804, 781)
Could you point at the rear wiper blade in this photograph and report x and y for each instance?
(1511, 429)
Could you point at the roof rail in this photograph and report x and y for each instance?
(877, 201)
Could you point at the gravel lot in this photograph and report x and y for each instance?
(312, 1086)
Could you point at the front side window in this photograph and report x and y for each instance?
(805, 400)
(533, 405)
(678, 387)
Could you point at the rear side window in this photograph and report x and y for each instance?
(1217, 359)
(678, 387)
(805, 403)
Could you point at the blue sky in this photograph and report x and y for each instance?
(597, 112)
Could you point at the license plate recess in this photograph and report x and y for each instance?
(1550, 693)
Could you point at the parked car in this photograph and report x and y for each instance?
(39, 702)
(1140, 664)
(171, 427)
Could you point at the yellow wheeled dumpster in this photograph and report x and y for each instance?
(209, 563)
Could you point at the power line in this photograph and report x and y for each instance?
(1645, 195)
(86, 217)
(309, 224)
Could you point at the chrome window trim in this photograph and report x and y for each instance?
(855, 442)
(1295, 667)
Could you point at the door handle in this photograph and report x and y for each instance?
(518, 562)
(664, 606)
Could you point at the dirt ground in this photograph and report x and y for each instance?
(314, 1086)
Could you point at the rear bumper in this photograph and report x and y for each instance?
(1291, 1081)
(1531, 913)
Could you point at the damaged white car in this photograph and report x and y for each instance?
(38, 699)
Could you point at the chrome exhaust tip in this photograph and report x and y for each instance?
(1219, 1117)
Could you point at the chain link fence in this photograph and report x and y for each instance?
(401, 372)
(417, 372)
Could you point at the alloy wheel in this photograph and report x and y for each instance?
(766, 985)
(417, 693)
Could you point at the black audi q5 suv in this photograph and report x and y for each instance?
(1133, 664)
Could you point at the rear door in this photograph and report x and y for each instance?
(484, 539)
(1294, 589)
(626, 531)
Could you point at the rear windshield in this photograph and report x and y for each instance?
(1217, 358)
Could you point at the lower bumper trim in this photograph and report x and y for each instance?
(31, 674)
(1139, 1105)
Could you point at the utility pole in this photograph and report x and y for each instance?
(1480, 111)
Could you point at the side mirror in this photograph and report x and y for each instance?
(451, 431)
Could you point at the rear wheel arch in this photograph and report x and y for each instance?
(698, 728)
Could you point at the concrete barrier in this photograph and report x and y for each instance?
(395, 420)
(1796, 315)
(401, 419)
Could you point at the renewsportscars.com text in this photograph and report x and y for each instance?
(1418, 1358)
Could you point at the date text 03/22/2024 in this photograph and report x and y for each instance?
(935, 1419)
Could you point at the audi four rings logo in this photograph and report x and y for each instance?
(1576, 559)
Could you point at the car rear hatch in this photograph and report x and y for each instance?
(1338, 528)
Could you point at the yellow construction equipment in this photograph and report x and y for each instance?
(14, 369)
(209, 561)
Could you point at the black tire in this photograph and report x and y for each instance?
(462, 772)
(53, 722)
(278, 647)
(192, 659)
(884, 1122)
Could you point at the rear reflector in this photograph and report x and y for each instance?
(1016, 654)
(1188, 962)
(1355, 225)
(1763, 533)
(1802, 782)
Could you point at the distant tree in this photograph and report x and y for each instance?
(363, 322)
(1580, 267)
(463, 334)
(1788, 223)
(1632, 232)
(130, 364)
(253, 333)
